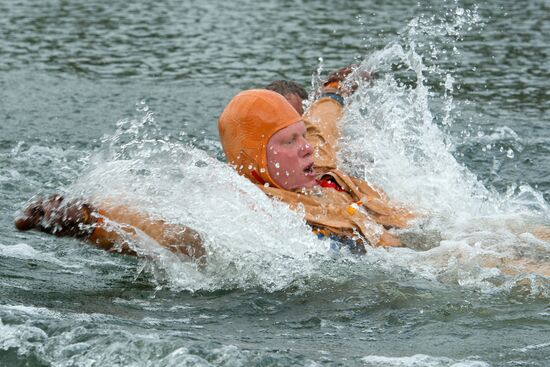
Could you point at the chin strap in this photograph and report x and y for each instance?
(260, 180)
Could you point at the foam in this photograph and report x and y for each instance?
(419, 360)
(24, 251)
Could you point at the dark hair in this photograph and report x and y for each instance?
(286, 87)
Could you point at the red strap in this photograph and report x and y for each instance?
(258, 178)
(324, 182)
(327, 182)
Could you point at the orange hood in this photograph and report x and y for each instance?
(246, 125)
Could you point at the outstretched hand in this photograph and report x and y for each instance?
(57, 216)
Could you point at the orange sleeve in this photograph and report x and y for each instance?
(176, 238)
(321, 121)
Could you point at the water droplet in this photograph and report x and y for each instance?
(277, 165)
(449, 80)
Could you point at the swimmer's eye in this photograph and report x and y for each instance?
(292, 140)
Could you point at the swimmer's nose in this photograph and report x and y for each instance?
(305, 148)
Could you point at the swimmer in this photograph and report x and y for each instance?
(293, 159)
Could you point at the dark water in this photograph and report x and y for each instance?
(69, 70)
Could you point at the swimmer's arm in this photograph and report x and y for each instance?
(323, 116)
(176, 238)
(109, 228)
(323, 132)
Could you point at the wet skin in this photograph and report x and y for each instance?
(290, 158)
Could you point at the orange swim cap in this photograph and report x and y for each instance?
(246, 125)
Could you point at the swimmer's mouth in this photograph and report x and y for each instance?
(308, 171)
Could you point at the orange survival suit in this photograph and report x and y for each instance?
(355, 210)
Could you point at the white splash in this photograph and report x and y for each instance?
(251, 240)
(474, 236)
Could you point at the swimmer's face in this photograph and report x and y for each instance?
(290, 158)
(297, 102)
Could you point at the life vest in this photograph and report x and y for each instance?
(356, 210)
